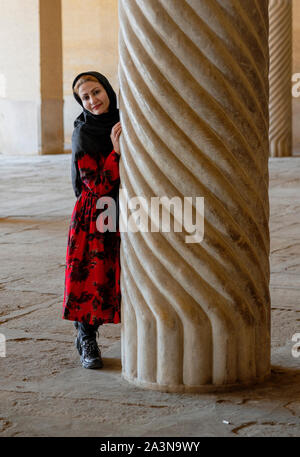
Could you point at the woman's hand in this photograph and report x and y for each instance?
(115, 135)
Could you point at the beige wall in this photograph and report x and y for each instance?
(19, 76)
(296, 69)
(31, 114)
(90, 42)
(19, 25)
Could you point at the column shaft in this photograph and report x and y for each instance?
(51, 114)
(280, 43)
(194, 110)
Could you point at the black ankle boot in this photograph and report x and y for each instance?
(86, 343)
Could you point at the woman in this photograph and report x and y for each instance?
(92, 275)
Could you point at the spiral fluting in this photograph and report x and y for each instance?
(280, 43)
(194, 110)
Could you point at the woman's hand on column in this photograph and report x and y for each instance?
(115, 135)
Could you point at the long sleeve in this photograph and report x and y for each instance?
(99, 178)
(75, 175)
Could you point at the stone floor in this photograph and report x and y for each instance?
(44, 391)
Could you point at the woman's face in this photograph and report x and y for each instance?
(94, 97)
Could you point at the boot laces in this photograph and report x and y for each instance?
(90, 347)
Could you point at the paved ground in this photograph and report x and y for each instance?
(44, 391)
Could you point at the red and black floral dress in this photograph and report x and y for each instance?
(92, 271)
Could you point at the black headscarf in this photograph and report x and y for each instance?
(91, 133)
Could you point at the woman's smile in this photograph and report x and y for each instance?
(96, 107)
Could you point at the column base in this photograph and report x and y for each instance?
(204, 388)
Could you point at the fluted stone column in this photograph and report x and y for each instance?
(194, 110)
(280, 42)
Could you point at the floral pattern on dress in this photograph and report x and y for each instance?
(92, 270)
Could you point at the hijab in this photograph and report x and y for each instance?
(91, 134)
